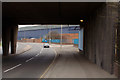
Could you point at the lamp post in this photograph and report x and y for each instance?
(61, 36)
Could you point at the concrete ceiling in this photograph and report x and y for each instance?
(48, 13)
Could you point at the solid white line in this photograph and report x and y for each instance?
(12, 68)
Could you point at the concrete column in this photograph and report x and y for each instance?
(14, 32)
(5, 39)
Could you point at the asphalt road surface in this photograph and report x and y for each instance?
(54, 62)
(31, 64)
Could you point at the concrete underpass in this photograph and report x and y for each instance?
(99, 37)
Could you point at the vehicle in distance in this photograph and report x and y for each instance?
(46, 45)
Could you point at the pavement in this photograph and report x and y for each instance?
(72, 64)
(21, 48)
(51, 63)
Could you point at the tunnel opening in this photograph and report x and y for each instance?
(96, 34)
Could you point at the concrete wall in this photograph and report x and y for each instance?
(118, 41)
(100, 36)
(0, 38)
(118, 36)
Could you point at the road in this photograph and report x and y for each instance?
(53, 62)
(30, 64)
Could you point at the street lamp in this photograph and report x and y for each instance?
(61, 35)
(81, 20)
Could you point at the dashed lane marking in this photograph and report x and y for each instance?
(39, 53)
(12, 68)
(29, 59)
(35, 56)
(21, 64)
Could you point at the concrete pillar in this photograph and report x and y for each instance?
(5, 39)
(14, 32)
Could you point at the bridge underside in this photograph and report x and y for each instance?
(100, 21)
(48, 13)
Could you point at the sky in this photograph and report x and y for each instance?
(20, 26)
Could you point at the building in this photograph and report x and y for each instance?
(69, 32)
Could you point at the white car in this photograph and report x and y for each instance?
(46, 45)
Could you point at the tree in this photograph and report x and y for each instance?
(52, 35)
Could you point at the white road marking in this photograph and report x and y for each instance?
(21, 64)
(12, 68)
(40, 52)
(29, 59)
(33, 57)
(37, 55)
